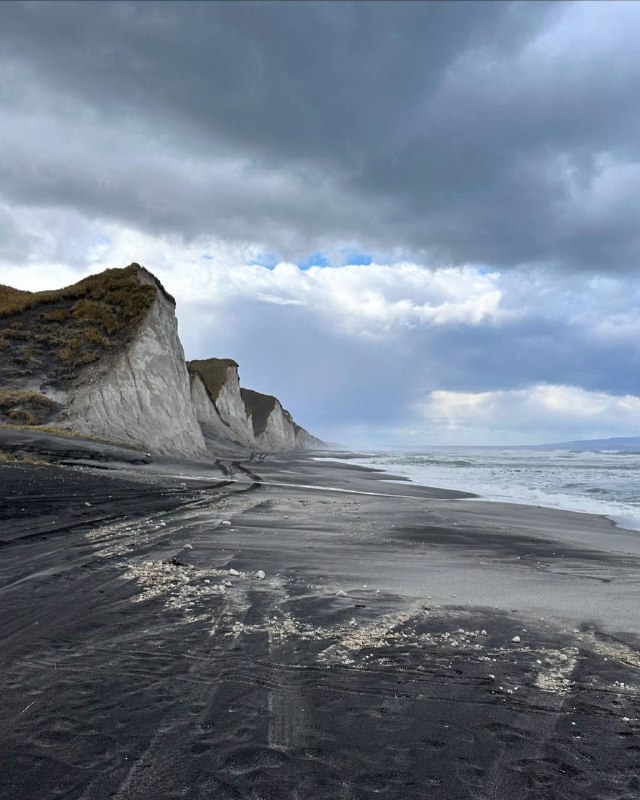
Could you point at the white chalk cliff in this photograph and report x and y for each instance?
(215, 394)
(226, 411)
(103, 358)
(273, 426)
(142, 395)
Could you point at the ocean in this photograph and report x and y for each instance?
(603, 482)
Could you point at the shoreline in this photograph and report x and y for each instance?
(629, 523)
(243, 630)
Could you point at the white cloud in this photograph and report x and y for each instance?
(537, 411)
(369, 301)
(367, 341)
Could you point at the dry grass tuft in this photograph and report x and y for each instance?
(7, 457)
(25, 408)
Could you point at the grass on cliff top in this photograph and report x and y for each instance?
(58, 332)
(213, 372)
(116, 292)
(260, 407)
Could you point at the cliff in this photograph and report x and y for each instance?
(103, 358)
(273, 426)
(215, 393)
(224, 410)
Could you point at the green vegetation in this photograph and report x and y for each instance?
(213, 372)
(260, 407)
(58, 332)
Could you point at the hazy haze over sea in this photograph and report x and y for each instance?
(598, 482)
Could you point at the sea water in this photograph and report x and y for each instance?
(603, 482)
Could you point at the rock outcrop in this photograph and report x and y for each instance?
(273, 426)
(103, 358)
(106, 354)
(142, 395)
(215, 393)
(249, 418)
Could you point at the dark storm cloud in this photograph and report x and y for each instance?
(497, 133)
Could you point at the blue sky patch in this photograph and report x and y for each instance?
(317, 259)
(268, 260)
(363, 259)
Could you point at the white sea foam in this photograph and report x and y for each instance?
(602, 482)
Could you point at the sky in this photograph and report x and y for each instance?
(415, 223)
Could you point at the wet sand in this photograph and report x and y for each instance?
(302, 629)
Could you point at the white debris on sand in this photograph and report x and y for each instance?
(618, 650)
(280, 627)
(180, 585)
(556, 670)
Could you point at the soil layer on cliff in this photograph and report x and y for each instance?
(54, 334)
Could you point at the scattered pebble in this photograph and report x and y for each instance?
(233, 571)
(226, 523)
(188, 547)
(261, 575)
(517, 640)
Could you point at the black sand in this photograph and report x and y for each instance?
(374, 659)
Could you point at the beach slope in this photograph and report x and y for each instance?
(296, 628)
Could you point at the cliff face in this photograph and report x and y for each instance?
(103, 358)
(249, 418)
(215, 391)
(273, 426)
(142, 395)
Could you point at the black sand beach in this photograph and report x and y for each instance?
(303, 629)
